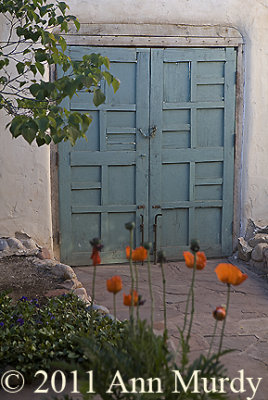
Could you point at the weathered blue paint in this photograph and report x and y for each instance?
(184, 171)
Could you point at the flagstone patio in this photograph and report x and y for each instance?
(246, 326)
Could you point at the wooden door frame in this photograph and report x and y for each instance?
(154, 35)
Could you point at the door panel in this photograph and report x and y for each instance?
(103, 182)
(159, 152)
(191, 156)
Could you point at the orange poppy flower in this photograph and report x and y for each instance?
(95, 256)
(228, 273)
(114, 284)
(200, 259)
(138, 254)
(127, 298)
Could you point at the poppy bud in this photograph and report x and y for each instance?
(195, 247)
(96, 243)
(220, 313)
(161, 257)
(147, 245)
(130, 226)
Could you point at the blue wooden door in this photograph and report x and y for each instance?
(103, 183)
(159, 152)
(192, 154)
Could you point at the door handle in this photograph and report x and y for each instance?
(151, 134)
(143, 134)
(142, 229)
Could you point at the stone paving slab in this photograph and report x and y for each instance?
(246, 327)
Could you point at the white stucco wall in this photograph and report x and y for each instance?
(250, 17)
(24, 169)
(24, 188)
(24, 183)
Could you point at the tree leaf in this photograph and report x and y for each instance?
(62, 43)
(98, 97)
(20, 67)
(40, 68)
(43, 123)
(40, 141)
(108, 77)
(115, 84)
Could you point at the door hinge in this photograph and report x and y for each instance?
(235, 77)
(57, 158)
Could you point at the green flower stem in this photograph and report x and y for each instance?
(93, 285)
(150, 288)
(192, 292)
(114, 306)
(224, 322)
(131, 274)
(137, 289)
(213, 337)
(164, 297)
(93, 296)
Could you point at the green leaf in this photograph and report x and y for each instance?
(40, 68)
(34, 89)
(48, 139)
(115, 84)
(108, 77)
(62, 43)
(98, 97)
(86, 121)
(40, 56)
(43, 123)
(62, 6)
(33, 69)
(106, 62)
(64, 26)
(29, 132)
(77, 24)
(15, 126)
(20, 67)
(40, 141)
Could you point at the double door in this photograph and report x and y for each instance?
(159, 152)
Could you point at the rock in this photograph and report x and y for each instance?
(44, 254)
(99, 308)
(81, 293)
(71, 284)
(29, 244)
(15, 244)
(262, 229)
(22, 236)
(244, 250)
(258, 238)
(258, 267)
(3, 244)
(45, 265)
(65, 271)
(257, 252)
(265, 256)
(251, 229)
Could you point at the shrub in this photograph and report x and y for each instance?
(34, 336)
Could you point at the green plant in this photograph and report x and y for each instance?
(32, 47)
(34, 336)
